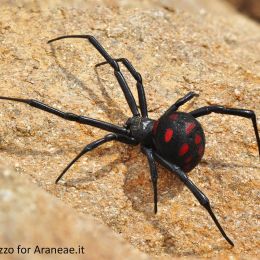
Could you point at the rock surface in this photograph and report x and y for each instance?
(176, 52)
(37, 221)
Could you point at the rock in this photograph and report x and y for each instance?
(176, 52)
(34, 222)
(193, 6)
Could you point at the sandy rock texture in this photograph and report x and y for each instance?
(176, 52)
(219, 7)
(36, 221)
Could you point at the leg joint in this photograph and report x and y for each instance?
(71, 116)
(114, 64)
(138, 78)
(204, 201)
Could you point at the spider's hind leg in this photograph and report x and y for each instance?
(95, 144)
(229, 111)
(199, 195)
(181, 102)
(153, 171)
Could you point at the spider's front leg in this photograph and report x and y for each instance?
(70, 116)
(199, 195)
(139, 83)
(113, 63)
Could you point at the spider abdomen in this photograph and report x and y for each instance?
(180, 139)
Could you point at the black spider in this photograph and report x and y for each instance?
(176, 140)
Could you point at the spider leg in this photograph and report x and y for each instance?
(139, 83)
(113, 63)
(95, 144)
(70, 116)
(181, 102)
(229, 111)
(200, 196)
(153, 171)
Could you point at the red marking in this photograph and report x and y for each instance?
(174, 116)
(201, 150)
(189, 127)
(197, 139)
(168, 135)
(155, 125)
(189, 159)
(184, 149)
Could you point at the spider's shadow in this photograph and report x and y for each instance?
(217, 164)
(137, 185)
(142, 197)
(110, 107)
(98, 174)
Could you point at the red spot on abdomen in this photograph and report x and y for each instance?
(197, 139)
(184, 149)
(189, 159)
(189, 127)
(174, 116)
(168, 135)
(155, 125)
(201, 150)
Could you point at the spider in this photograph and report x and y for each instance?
(176, 140)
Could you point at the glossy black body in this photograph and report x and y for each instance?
(176, 140)
(141, 129)
(179, 138)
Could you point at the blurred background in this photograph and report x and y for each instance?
(250, 8)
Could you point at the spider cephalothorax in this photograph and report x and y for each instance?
(176, 140)
(140, 129)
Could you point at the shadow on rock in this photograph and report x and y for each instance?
(110, 106)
